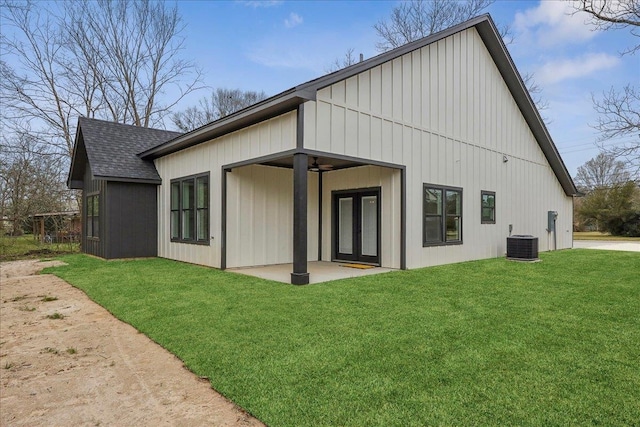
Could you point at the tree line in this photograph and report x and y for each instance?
(610, 182)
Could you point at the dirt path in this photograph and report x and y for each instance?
(88, 368)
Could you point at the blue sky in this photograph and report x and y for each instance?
(275, 45)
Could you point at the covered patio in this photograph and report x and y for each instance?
(319, 271)
(311, 213)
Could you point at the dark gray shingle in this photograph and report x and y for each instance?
(112, 149)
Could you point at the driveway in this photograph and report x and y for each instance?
(607, 245)
(65, 360)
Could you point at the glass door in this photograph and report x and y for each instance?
(345, 225)
(356, 225)
(369, 226)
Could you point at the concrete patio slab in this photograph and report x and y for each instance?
(319, 271)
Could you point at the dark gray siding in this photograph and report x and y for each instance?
(92, 245)
(131, 220)
(128, 219)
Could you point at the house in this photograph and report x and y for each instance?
(428, 154)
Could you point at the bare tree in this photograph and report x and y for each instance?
(603, 171)
(104, 58)
(535, 91)
(619, 110)
(612, 14)
(413, 20)
(36, 92)
(221, 103)
(30, 180)
(620, 117)
(138, 44)
(339, 63)
(116, 60)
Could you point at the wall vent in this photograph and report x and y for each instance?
(522, 248)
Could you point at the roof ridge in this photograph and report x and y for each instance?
(111, 122)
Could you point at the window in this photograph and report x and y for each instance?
(93, 215)
(175, 210)
(442, 208)
(488, 212)
(189, 216)
(202, 207)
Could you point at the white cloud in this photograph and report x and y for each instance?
(558, 70)
(293, 20)
(261, 3)
(552, 23)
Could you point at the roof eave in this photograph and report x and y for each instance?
(269, 108)
(75, 184)
(70, 181)
(156, 181)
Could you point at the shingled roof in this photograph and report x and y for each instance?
(111, 150)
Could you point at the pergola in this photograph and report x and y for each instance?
(67, 226)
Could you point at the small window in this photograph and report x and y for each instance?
(488, 210)
(442, 209)
(202, 207)
(187, 207)
(93, 215)
(175, 210)
(189, 210)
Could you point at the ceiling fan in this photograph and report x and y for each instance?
(315, 167)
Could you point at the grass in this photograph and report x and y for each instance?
(490, 342)
(21, 247)
(596, 235)
(50, 350)
(55, 316)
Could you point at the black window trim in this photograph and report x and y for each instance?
(482, 194)
(443, 215)
(93, 235)
(194, 209)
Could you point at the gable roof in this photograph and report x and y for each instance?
(290, 99)
(111, 151)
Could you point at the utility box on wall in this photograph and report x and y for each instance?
(551, 221)
(522, 248)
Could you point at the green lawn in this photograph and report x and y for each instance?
(596, 235)
(21, 247)
(490, 342)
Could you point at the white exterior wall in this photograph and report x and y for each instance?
(365, 177)
(260, 216)
(268, 137)
(445, 112)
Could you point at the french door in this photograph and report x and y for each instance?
(356, 225)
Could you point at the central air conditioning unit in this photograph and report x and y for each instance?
(522, 248)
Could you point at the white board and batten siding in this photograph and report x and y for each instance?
(445, 113)
(260, 216)
(268, 137)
